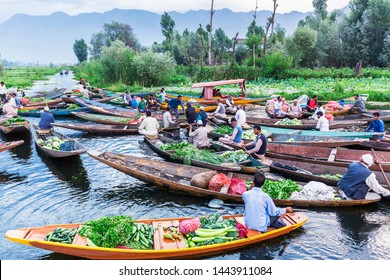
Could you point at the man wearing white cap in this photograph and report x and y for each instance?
(359, 182)
(202, 117)
(46, 119)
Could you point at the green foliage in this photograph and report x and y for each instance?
(80, 49)
(339, 87)
(275, 65)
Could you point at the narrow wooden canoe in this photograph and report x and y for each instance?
(237, 100)
(155, 143)
(176, 178)
(44, 103)
(101, 128)
(56, 112)
(83, 102)
(104, 119)
(77, 147)
(163, 249)
(207, 108)
(9, 145)
(14, 128)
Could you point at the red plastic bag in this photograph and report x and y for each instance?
(218, 182)
(237, 186)
(190, 225)
(242, 230)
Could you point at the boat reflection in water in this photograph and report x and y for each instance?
(23, 151)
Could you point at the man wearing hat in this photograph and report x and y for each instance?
(322, 123)
(359, 182)
(202, 117)
(46, 119)
(174, 104)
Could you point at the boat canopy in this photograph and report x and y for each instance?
(208, 86)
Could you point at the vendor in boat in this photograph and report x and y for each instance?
(236, 136)
(311, 104)
(151, 104)
(295, 110)
(191, 115)
(199, 136)
(260, 210)
(82, 81)
(240, 115)
(85, 92)
(161, 96)
(47, 119)
(258, 147)
(359, 182)
(127, 97)
(142, 105)
(133, 102)
(3, 92)
(167, 119)
(359, 104)
(229, 102)
(9, 110)
(278, 107)
(17, 99)
(220, 111)
(216, 93)
(319, 108)
(174, 103)
(201, 119)
(149, 125)
(322, 123)
(377, 125)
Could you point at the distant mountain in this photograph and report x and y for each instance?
(47, 39)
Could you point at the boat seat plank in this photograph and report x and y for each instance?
(332, 155)
(251, 232)
(161, 243)
(79, 240)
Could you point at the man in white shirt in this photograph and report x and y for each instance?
(295, 109)
(199, 136)
(85, 92)
(220, 111)
(3, 92)
(149, 126)
(9, 110)
(278, 107)
(319, 108)
(322, 123)
(240, 115)
(167, 119)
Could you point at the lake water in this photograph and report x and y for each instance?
(36, 190)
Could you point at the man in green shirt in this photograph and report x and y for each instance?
(142, 105)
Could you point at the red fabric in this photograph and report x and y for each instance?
(332, 104)
(237, 186)
(190, 225)
(218, 181)
(312, 104)
(242, 230)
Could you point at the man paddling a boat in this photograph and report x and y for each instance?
(260, 211)
(149, 126)
(258, 147)
(359, 182)
(377, 125)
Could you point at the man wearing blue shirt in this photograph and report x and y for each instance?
(260, 211)
(378, 126)
(46, 119)
(174, 104)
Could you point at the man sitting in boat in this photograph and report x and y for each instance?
(311, 104)
(133, 102)
(167, 119)
(295, 109)
(220, 111)
(377, 125)
(322, 123)
(236, 136)
(47, 119)
(174, 103)
(258, 147)
(149, 125)
(201, 119)
(127, 97)
(260, 211)
(319, 108)
(9, 110)
(142, 105)
(278, 107)
(359, 182)
(240, 115)
(359, 104)
(85, 92)
(217, 93)
(199, 137)
(191, 115)
(161, 96)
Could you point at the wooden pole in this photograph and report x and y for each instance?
(380, 166)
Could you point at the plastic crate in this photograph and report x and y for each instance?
(67, 146)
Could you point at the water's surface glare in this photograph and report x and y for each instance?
(36, 190)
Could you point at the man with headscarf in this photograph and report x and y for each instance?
(359, 182)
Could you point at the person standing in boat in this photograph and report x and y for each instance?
(311, 104)
(191, 115)
(199, 136)
(161, 96)
(258, 147)
(240, 115)
(359, 182)
(3, 92)
(149, 126)
(174, 103)
(47, 119)
(127, 97)
(236, 136)
(260, 210)
(167, 119)
(322, 123)
(359, 104)
(377, 125)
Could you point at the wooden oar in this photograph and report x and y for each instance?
(212, 123)
(380, 166)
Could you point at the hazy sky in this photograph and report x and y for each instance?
(73, 7)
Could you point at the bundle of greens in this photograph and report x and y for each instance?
(190, 152)
(280, 189)
(15, 119)
(73, 107)
(290, 122)
(174, 146)
(234, 156)
(224, 129)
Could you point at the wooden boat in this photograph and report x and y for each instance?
(83, 102)
(115, 111)
(237, 100)
(104, 119)
(63, 112)
(155, 143)
(9, 145)
(46, 134)
(14, 128)
(342, 111)
(176, 178)
(162, 247)
(331, 156)
(53, 94)
(101, 128)
(44, 103)
(207, 108)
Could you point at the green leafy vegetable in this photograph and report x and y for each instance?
(280, 189)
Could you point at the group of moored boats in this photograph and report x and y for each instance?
(294, 151)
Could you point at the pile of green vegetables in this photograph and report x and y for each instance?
(173, 146)
(62, 235)
(53, 143)
(224, 129)
(118, 231)
(280, 189)
(234, 156)
(213, 230)
(13, 120)
(287, 121)
(332, 177)
(73, 107)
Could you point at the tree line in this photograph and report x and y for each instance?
(322, 39)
